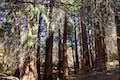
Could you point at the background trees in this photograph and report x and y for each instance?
(49, 39)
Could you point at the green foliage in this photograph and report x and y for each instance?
(1, 33)
(29, 40)
(45, 17)
(1, 68)
(71, 21)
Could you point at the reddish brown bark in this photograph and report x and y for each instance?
(100, 62)
(65, 55)
(76, 53)
(60, 52)
(85, 54)
(48, 60)
(49, 46)
(86, 61)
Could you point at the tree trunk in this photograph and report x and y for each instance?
(60, 56)
(48, 60)
(85, 54)
(38, 47)
(65, 55)
(73, 55)
(86, 62)
(100, 22)
(117, 20)
(49, 46)
(76, 53)
(100, 62)
(28, 67)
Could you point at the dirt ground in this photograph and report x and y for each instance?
(104, 75)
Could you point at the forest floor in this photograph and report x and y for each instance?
(94, 75)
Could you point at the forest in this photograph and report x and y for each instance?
(59, 39)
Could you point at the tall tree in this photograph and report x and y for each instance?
(117, 21)
(49, 46)
(110, 32)
(60, 55)
(100, 47)
(76, 51)
(85, 54)
(65, 55)
(27, 56)
(38, 46)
